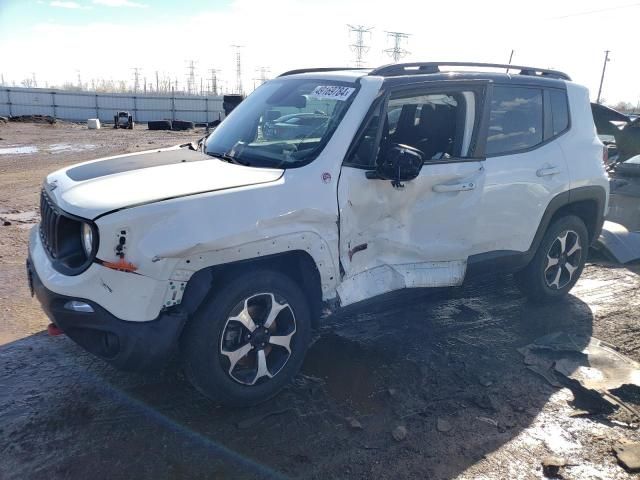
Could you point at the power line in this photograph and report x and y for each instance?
(359, 47)
(397, 52)
(589, 12)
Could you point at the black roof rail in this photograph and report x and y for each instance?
(417, 68)
(322, 69)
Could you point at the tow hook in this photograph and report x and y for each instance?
(53, 330)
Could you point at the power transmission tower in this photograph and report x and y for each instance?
(238, 69)
(79, 80)
(191, 78)
(33, 78)
(604, 68)
(213, 80)
(136, 79)
(397, 52)
(262, 75)
(359, 47)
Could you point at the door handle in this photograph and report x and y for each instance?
(456, 187)
(543, 172)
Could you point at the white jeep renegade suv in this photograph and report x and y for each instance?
(325, 186)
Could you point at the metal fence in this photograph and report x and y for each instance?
(79, 106)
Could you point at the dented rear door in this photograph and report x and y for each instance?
(419, 235)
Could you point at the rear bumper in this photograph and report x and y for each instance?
(125, 344)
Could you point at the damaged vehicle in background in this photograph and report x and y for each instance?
(620, 239)
(228, 250)
(293, 126)
(618, 131)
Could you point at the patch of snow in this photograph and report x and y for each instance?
(20, 150)
(69, 147)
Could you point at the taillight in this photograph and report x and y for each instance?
(605, 156)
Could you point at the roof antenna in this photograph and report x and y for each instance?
(510, 58)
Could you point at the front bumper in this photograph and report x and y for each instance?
(125, 344)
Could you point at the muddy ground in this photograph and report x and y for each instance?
(441, 363)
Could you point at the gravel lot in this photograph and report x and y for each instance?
(443, 364)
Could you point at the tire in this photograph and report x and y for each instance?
(159, 125)
(540, 280)
(182, 125)
(214, 333)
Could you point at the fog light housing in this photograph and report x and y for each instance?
(78, 306)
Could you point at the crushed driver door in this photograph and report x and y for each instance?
(418, 234)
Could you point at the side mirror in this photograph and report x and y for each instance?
(400, 163)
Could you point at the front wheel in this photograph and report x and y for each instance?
(248, 340)
(558, 262)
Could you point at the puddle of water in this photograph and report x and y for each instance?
(69, 147)
(20, 150)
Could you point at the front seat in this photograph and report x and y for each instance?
(436, 130)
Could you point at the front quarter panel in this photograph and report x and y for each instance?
(171, 240)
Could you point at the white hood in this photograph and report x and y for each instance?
(93, 188)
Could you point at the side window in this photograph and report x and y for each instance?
(559, 111)
(441, 125)
(515, 120)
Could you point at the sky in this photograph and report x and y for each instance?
(57, 39)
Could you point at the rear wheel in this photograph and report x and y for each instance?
(248, 340)
(558, 262)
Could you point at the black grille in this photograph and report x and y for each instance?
(61, 238)
(50, 220)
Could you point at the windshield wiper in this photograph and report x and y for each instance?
(227, 158)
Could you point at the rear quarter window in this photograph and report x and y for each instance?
(559, 111)
(515, 120)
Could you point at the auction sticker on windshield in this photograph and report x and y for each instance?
(333, 92)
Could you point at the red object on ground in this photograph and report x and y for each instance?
(53, 330)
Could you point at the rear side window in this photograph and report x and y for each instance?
(515, 120)
(559, 111)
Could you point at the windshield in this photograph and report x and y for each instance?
(284, 123)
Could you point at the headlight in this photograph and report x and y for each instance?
(87, 238)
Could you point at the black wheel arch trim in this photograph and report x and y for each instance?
(296, 263)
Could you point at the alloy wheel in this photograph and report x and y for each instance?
(256, 339)
(563, 260)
